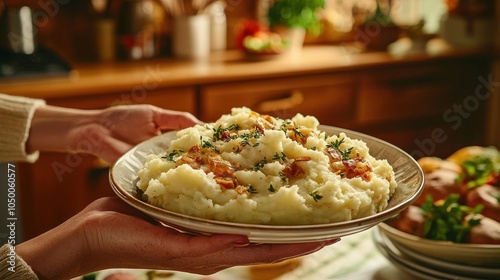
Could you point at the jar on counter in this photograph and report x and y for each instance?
(218, 26)
(135, 30)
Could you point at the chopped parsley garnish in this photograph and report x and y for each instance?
(285, 124)
(283, 177)
(251, 189)
(446, 221)
(218, 132)
(260, 164)
(297, 132)
(281, 157)
(316, 196)
(233, 127)
(223, 133)
(170, 156)
(206, 144)
(246, 137)
(346, 153)
(336, 146)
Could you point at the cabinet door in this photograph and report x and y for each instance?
(427, 110)
(405, 93)
(60, 185)
(330, 98)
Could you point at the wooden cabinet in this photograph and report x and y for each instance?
(58, 186)
(176, 98)
(405, 93)
(425, 109)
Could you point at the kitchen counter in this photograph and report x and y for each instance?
(222, 67)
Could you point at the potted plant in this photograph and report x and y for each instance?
(297, 18)
(379, 30)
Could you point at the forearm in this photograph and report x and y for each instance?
(57, 254)
(52, 128)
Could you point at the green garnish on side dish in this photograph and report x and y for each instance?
(446, 221)
(481, 169)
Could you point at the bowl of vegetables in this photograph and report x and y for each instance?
(258, 42)
(457, 217)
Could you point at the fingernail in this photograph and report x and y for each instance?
(241, 243)
(330, 242)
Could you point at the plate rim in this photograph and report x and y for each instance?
(458, 253)
(464, 268)
(406, 263)
(431, 242)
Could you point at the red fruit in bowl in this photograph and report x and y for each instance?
(248, 27)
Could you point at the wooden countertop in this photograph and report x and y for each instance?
(222, 67)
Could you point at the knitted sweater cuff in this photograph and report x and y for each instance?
(12, 267)
(16, 114)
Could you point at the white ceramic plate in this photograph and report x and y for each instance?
(395, 256)
(409, 176)
(468, 254)
(460, 269)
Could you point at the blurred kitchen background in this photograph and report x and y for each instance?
(421, 74)
(90, 30)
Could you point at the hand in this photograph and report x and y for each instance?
(106, 133)
(109, 234)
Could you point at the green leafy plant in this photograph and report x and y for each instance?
(296, 14)
(446, 221)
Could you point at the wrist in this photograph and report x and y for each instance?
(57, 254)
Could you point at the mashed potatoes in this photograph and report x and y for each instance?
(252, 168)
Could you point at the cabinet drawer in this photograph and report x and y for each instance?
(410, 94)
(329, 98)
(179, 98)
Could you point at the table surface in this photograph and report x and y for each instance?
(354, 257)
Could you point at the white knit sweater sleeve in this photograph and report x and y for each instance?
(12, 267)
(15, 121)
